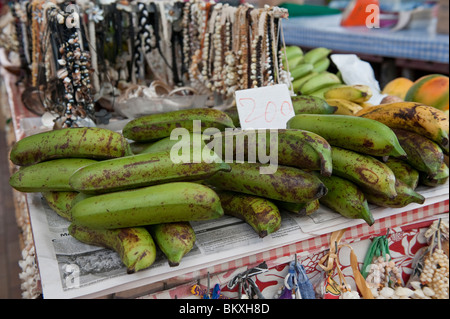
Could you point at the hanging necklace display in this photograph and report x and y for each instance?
(73, 70)
(436, 263)
(81, 52)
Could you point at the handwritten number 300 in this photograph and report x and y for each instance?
(270, 111)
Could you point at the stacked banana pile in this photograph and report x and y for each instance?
(124, 191)
(309, 71)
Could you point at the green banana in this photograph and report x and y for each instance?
(156, 126)
(165, 203)
(232, 112)
(175, 240)
(301, 70)
(316, 54)
(422, 153)
(166, 143)
(305, 104)
(135, 246)
(60, 202)
(288, 184)
(440, 178)
(370, 174)
(345, 198)
(260, 213)
(292, 51)
(322, 65)
(298, 83)
(350, 132)
(46, 176)
(404, 172)
(139, 148)
(300, 209)
(83, 142)
(296, 148)
(320, 81)
(294, 61)
(405, 196)
(142, 170)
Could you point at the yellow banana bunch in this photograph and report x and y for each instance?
(421, 119)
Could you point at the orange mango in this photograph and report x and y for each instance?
(398, 87)
(430, 90)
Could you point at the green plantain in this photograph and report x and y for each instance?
(83, 142)
(370, 174)
(174, 239)
(169, 202)
(135, 245)
(47, 176)
(403, 171)
(422, 153)
(288, 184)
(350, 132)
(260, 213)
(345, 198)
(405, 196)
(141, 170)
(156, 126)
(60, 202)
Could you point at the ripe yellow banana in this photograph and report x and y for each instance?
(139, 171)
(421, 119)
(165, 203)
(345, 198)
(350, 132)
(422, 153)
(47, 176)
(60, 202)
(404, 171)
(370, 174)
(288, 184)
(260, 213)
(175, 240)
(320, 92)
(298, 148)
(305, 104)
(83, 142)
(156, 126)
(353, 93)
(405, 196)
(134, 245)
(344, 107)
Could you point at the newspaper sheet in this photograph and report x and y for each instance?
(71, 269)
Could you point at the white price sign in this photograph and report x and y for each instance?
(267, 107)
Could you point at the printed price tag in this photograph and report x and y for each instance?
(267, 107)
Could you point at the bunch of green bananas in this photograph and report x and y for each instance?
(422, 132)
(386, 151)
(115, 198)
(309, 71)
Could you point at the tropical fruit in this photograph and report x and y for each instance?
(430, 90)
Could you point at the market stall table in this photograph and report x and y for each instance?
(420, 49)
(237, 249)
